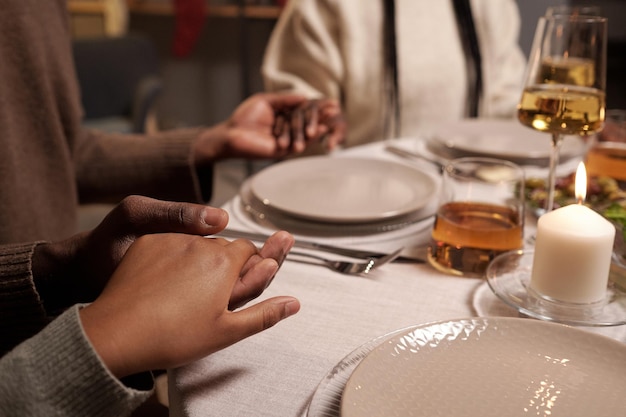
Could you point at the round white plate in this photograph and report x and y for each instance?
(326, 400)
(490, 367)
(505, 139)
(266, 216)
(343, 190)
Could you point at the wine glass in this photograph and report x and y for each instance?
(583, 10)
(565, 81)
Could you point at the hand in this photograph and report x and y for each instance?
(253, 278)
(312, 121)
(167, 303)
(77, 269)
(251, 131)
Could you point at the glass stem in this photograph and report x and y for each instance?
(557, 139)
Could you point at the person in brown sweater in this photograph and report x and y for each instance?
(49, 163)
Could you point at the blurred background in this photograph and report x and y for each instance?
(193, 61)
(209, 63)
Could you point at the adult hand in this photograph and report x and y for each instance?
(168, 302)
(255, 276)
(312, 121)
(76, 270)
(252, 130)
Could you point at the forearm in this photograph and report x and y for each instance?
(303, 55)
(110, 167)
(57, 372)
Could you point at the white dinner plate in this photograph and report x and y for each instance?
(505, 139)
(270, 218)
(490, 367)
(343, 190)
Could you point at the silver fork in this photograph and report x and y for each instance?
(346, 267)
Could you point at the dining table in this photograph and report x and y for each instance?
(278, 372)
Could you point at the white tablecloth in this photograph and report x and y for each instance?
(275, 373)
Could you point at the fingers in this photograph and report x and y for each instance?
(260, 269)
(253, 283)
(313, 120)
(281, 131)
(331, 117)
(241, 250)
(278, 246)
(262, 316)
(337, 132)
(146, 215)
(297, 130)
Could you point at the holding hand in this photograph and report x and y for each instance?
(271, 126)
(312, 121)
(77, 269)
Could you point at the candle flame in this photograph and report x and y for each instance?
(580, 184)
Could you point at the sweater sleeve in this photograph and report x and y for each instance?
(22, 312)
(57, 372)
(111, 166)
(303, 54)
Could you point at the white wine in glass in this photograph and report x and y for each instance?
(564, 90)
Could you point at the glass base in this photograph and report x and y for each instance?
(460, 261)
(508, 277)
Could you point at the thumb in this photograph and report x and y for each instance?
(262, 316)
(142, 215)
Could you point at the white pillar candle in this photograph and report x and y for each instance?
(573, 249)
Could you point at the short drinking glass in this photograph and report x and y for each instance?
(481, 215)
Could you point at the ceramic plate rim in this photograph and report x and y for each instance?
(331, 383)
(446, 134)
(495, 324)
(427, 187)
(273, 219)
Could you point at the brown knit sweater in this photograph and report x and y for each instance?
(48, 163)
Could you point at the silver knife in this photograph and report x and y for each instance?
(438, 162)
(414, 255)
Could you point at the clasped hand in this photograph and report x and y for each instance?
(272, 126)
(163, 294)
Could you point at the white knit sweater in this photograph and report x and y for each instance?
(334, 48)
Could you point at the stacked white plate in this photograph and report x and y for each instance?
(478, 367)
(338, 194)
(503, 139)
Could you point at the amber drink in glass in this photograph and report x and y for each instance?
(481, 215)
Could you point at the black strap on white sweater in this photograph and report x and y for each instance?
(469, 39)
(392, 94)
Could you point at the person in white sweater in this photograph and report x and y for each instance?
(452, 59)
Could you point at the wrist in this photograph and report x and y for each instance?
(210, 145)
(101, 336)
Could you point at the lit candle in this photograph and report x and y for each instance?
(573, 250)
